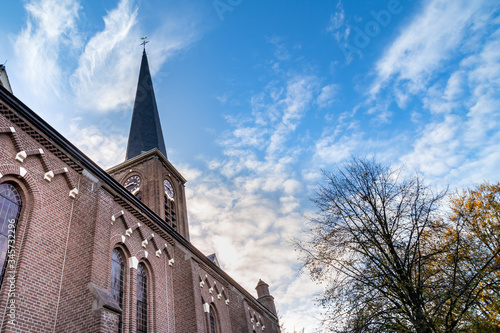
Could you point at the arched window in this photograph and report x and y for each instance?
(10, 208)
(170, 215)
(142, 299)
(116, 289)
(213, 320)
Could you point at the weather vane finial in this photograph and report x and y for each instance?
(144, 42)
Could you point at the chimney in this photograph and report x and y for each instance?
(264, 297)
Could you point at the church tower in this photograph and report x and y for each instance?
(146, 172)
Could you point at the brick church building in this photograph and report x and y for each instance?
(88, 250)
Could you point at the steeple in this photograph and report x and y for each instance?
(145, 130)
(264, 297)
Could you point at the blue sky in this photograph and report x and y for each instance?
(256, 97)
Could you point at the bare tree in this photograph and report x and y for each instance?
(382, 246)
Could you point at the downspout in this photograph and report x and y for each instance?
(166, 292)
(65, 254)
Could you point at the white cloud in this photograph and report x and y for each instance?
(436, 151)
(338, 25)
(299, 95)
(281, 53)
(331, 151)
(433, 37)
(327, 96)
(104, 148)
(301, 293)
(107, 69)
(50, 26)
(459, 144)
(106, 77)
(337, 19)
(445, 101)
(223, 98)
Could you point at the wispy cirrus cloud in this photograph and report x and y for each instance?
(50, 27)
(104, 79)
(433, 37)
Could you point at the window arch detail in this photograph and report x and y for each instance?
(213, 320)
(142, 299)
(170, 214)
(10, 210)
(117, 277)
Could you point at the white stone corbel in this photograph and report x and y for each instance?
(21, 156)
(171, 262)
(158, 253)
(263, 327)
(252, 320)
(133, 262)
(73, 193)
(124, 239)
(219, 296)
(48, 176)
(22, 172)
(144, 243)
(227, 302)
(114, 217)
(206, 307)
(258, 324)
(129, 231)
(211, 290)
(202, 283)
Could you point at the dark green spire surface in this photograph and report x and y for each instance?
(145, 130)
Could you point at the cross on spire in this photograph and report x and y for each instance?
(144, 42)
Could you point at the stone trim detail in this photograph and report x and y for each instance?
(103, 299)
(42, 140)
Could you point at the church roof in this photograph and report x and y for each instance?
(213, 258)
(145, 130)
(4, 79)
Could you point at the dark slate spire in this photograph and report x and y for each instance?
(145, 130)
